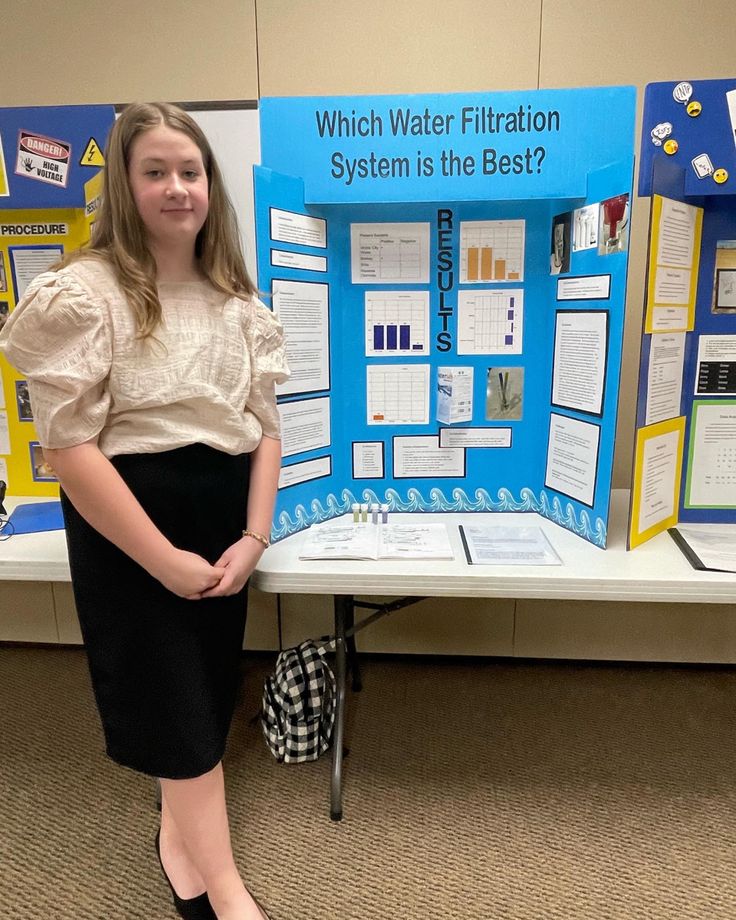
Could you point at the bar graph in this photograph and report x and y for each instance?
(490, 322)
(396, 323)
(397, 394)
(491, 250)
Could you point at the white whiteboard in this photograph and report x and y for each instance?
(235, 138)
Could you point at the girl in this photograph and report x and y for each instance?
(151, 367)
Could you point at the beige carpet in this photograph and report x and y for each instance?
(475, 790)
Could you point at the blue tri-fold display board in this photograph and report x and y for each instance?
(450, 271)
(685, 464)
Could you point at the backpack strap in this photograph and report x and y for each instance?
(305, 695)
(274, 706)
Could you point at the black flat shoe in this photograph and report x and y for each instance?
(198, 908)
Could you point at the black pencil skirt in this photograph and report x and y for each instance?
(165, 671)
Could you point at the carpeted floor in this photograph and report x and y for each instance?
(475, 790)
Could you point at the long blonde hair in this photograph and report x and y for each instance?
(119, 235)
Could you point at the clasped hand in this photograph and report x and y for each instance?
(192, 577)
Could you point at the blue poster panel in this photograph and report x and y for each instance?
(47, 153)
(688, 354)
(459, 269)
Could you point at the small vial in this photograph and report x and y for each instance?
(364, 514)
(374, 514)
(384, 514)
(356, 513)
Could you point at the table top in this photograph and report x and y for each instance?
(33, 556)
(656, 571)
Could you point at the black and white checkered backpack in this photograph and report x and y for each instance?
(298, 711)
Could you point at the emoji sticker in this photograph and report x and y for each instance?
(694, 108)
(670, 146)
(720, 176)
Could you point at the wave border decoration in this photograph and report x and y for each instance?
(550, 507)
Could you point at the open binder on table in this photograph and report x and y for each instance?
(708, 549)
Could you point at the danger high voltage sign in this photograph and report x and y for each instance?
(43, 158)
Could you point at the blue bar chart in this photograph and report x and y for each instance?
(490, 322)
(396, 323)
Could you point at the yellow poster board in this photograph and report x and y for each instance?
(657, 477)
(4, 187)
(30, 242)
(92, 198)
(674, 262)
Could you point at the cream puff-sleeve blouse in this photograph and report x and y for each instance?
(207, 375)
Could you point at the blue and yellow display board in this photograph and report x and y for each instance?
(451, 273)
(685, 461)
(50, 161)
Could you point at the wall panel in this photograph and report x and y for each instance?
(435, 626)
(322, 47)
(27, 612)
(81, 52)
(611, 631)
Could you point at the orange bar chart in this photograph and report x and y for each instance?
(473, 252)
(491, 251)
(486, 262)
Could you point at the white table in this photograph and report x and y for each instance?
(656, 571)
(33, 556)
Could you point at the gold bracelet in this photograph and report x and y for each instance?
(257, 536)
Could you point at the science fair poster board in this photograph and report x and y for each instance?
(51, 161)
(50, 158)
(450, 271)
(685, 458)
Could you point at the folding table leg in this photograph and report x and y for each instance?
(352, 651)
(343, 611)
